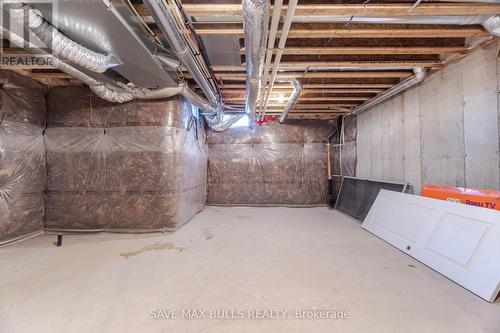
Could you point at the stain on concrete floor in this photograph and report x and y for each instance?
(244, 217)
(208, 233)
(153, 247)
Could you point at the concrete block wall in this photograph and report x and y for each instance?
(444, 131)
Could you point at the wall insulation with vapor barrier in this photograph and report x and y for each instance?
(133, 166)
(274, 164)
(22, 156)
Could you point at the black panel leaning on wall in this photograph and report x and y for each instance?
(137, 166)
(22, 156)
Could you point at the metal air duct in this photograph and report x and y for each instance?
(61, 45)
(297, 89)
(419, 76)
(255, 24)
(166, 22)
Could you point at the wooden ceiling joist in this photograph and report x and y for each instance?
(319, 86)
(404, 9)
(372, 50)
(291, 65)
(311, 116)
(324, 75)
(288, 90)
(339, 65)
(220, 30)
(326, 106)
(313, 99)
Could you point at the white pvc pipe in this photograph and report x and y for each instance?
(281, 46)
(270, 47)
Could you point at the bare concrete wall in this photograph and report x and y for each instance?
(445, 131)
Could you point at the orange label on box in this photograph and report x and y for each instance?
(480, 198)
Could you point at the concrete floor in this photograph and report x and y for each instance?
(244, 259)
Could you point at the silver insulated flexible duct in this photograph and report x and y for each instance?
(297, 89)
(255, 25)
(61, 45)
(69, 50)
(106, 92)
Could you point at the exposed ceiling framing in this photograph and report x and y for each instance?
(321, 54)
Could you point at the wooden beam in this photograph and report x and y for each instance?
(356, 33)
(291, 65)
(276, 95)
(328, 106)
(318, 85)
(334, 111)
(311, 99)
(311, 91)
(316, 106)
(424, 9)
(13, 51)
(278, 111)
(371, 50)
(53, 79)
(49, 75)
(323, 75)
(327, 116)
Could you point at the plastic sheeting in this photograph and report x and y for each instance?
(276, 164)
(349, 153)
(22, 156)
(138, 166)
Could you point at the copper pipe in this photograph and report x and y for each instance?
(329, 156)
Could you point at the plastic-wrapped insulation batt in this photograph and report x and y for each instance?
(276, 164)
(136, 166)
(22, 156)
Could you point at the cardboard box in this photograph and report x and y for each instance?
(480, 198)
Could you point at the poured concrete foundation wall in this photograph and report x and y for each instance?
(445, 131)
(134, 166)
(22, 156)
(275, 164)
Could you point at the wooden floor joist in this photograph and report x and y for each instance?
(329, 116)
(324, 75)
(288, 90)
(340, 65)
(384, 10)
(315, 99)
(291, 65)
(355, 33)
(319, 86)
(371, 50)
(329, 106)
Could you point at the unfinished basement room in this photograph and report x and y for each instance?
(250, 166)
